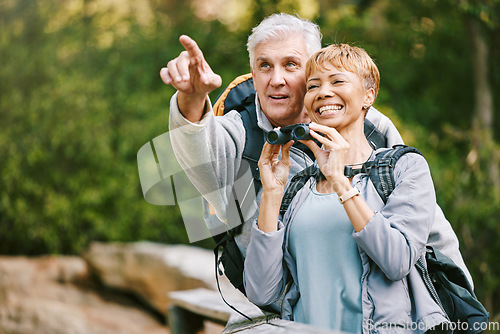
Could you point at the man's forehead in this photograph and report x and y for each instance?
(281, 50)
(280, 57)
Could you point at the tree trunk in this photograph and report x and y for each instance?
(482, 122)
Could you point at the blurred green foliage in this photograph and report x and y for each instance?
(80, 94)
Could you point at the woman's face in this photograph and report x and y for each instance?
(335, 97)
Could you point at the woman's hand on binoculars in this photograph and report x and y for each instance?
(330, 158)
(273, 171)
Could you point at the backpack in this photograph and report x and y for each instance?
(445, 281)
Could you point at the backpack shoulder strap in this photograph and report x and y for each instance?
(381, 170)
(235, 92)
(254, 135)
(374, 136)
(296, 183)
(240, 95)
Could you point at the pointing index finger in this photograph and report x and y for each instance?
(191, 47)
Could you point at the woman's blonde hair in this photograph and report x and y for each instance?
(349, 58)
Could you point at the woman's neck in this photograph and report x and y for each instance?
(359, 147)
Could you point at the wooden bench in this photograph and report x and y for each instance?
(189, 309)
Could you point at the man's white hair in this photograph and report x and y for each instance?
(278, 26)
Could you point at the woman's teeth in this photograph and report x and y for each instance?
(330, 109)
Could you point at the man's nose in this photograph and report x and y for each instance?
(277, 77)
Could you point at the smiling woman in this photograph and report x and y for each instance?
(341, 81)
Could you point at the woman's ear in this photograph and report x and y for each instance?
(369, 98)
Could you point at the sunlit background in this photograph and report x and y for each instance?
(80, 94)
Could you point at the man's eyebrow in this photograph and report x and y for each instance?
(292, 57)
(286, 58)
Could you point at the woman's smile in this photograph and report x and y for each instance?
(330, 110)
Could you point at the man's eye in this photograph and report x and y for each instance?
(291, 64)
(264, 65)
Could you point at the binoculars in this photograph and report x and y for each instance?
(284, 135)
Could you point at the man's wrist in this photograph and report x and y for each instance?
(192, 106)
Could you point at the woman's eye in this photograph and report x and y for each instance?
(309, 87)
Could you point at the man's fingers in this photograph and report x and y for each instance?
(178, 69)
(165, 77)
(210, 79)
(182, 66)
(173, 71)
(192, 49)
(189, 72)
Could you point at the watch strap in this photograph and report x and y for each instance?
(348, 195)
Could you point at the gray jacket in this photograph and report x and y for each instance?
(389, 246)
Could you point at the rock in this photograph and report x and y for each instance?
(53, 295)
(152, 270)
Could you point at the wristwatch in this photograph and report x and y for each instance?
(348, 195)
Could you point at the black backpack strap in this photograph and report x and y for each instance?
(240, 96)
(374, 136)
(254, 137)
(296, 183)
(381, 170)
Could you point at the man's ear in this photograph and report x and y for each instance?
(253, 76)
(369, 98)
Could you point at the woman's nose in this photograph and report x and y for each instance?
(325, 92)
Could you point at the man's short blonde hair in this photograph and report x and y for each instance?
(349, 58)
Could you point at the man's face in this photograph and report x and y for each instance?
(279, 79)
